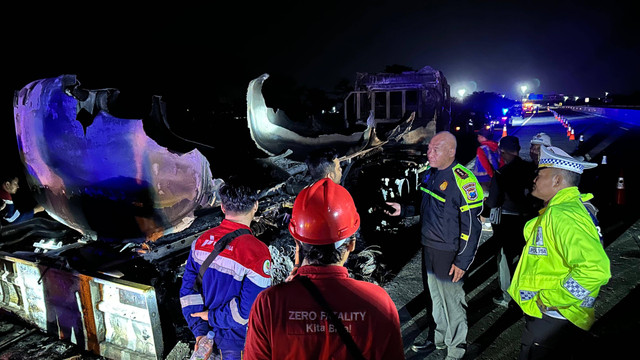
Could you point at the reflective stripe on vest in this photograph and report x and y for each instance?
(470, 206)
(435, 196)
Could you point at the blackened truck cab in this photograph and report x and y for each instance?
(391, 97)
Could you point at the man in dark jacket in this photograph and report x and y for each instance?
(451, 203)
(509, 206)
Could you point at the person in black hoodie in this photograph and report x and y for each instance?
(509, 206)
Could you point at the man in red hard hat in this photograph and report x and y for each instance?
(294, 319)
(321, 163)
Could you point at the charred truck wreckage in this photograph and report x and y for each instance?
(103, 268)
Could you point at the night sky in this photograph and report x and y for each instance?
(575, 48)
(207, 54)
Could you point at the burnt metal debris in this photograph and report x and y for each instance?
(103, 272)
(91, 170)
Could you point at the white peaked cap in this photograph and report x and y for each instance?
(554, 157)
(542, 139)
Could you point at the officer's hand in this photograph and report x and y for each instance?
(395, 211)
(195, 348)
(456, 272)
(204, 315)
(38, 209)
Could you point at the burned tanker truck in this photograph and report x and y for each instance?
(103, 266)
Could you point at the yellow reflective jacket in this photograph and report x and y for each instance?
(563, 264)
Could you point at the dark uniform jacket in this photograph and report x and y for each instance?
(449, 210)
(511, 189)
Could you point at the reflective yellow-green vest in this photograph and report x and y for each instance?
(563, 264)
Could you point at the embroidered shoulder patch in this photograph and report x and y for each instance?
(533, 250)
(266, 267)
(463, 175)
(470, 191)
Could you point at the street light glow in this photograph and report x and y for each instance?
(461, 92)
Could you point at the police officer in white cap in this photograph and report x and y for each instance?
(563, 264)
(537, 141)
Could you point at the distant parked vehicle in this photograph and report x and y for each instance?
(470, 122)
(529, 108)
(516, 110)
(500, 120)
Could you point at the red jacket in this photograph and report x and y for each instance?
(484, 166)
(10, 214)
(287, 323)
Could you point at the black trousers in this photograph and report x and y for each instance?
(550, 338)
(508, 235)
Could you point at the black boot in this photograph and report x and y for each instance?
(423, 345)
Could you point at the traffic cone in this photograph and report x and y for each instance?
(620, 190)
(573, 136)
(504, 130)
(569, 131)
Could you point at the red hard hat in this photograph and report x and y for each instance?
(323, 213)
